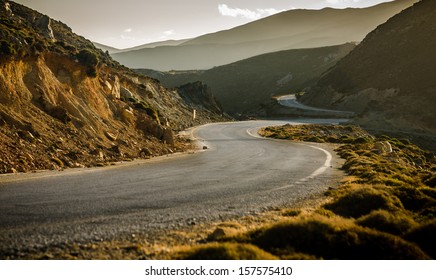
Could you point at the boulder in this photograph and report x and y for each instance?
(383, 147)
(126, 94)
(116, 88)
(168, 136)
(43, 24)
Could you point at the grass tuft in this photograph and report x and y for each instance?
(361, 201)
(333, 238)
(225, 251)
(424, 235)
(397, 223)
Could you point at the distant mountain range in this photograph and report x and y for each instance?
(389, 79)
(112, 50)
(294, 29)
(243, 86)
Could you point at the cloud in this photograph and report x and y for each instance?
(169, 32)
(227, 11)
(128, 30)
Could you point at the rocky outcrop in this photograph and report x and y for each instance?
(199, 95)
(44, 25)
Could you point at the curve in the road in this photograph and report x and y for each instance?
(239, 174)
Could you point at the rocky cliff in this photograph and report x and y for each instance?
(389, 78)
(65, 103)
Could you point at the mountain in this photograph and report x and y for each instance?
(243, 86)
(293, 29)
(65, 103)
(389, 78)
(157, 44)
(113, 50)
(106, 48)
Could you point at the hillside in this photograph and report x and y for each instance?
(64, 103)
(241, 87)
(389, 77)
(294, 29)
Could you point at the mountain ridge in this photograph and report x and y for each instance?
(243, 87)
(293, 29)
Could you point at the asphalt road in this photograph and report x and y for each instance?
(291, 102)
(239, 174)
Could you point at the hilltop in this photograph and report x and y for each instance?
(65, 103)
(294, 29)
(389, 78)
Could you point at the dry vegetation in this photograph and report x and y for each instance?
(385, 208)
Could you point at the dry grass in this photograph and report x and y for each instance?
(331, 238)
(385, 209)
(224, 251)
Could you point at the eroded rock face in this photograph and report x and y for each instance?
(44, 25)
(200, 95)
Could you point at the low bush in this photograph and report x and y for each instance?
(397, 223)
(225, 251)
(424, 236)
(333, 238)
(363, 200)
(413, 198)
(90, 60)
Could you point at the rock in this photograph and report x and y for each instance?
(43, 24)
(116, 149)
(116, 88)
(7, 8)
(12, 170)
(383, 147)
(127, 116)
(150, 127)
(108, 85)
(168, 136)
(204, 147)
(126, 94)
(26, 135)
(110, 136)
(145, 152)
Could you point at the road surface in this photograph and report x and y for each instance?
(291, 102)
(239, 174)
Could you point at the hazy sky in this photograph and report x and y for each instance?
(128, 23)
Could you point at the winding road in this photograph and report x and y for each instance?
(239, 174)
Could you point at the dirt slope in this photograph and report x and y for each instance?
(64, 103)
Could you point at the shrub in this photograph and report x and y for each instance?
(225, 251)
(431, 181)
(89, 59)
(396, 223)
(413, 198)
(333, 239)
(424, 236)
(363, 200)
(6, 48)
